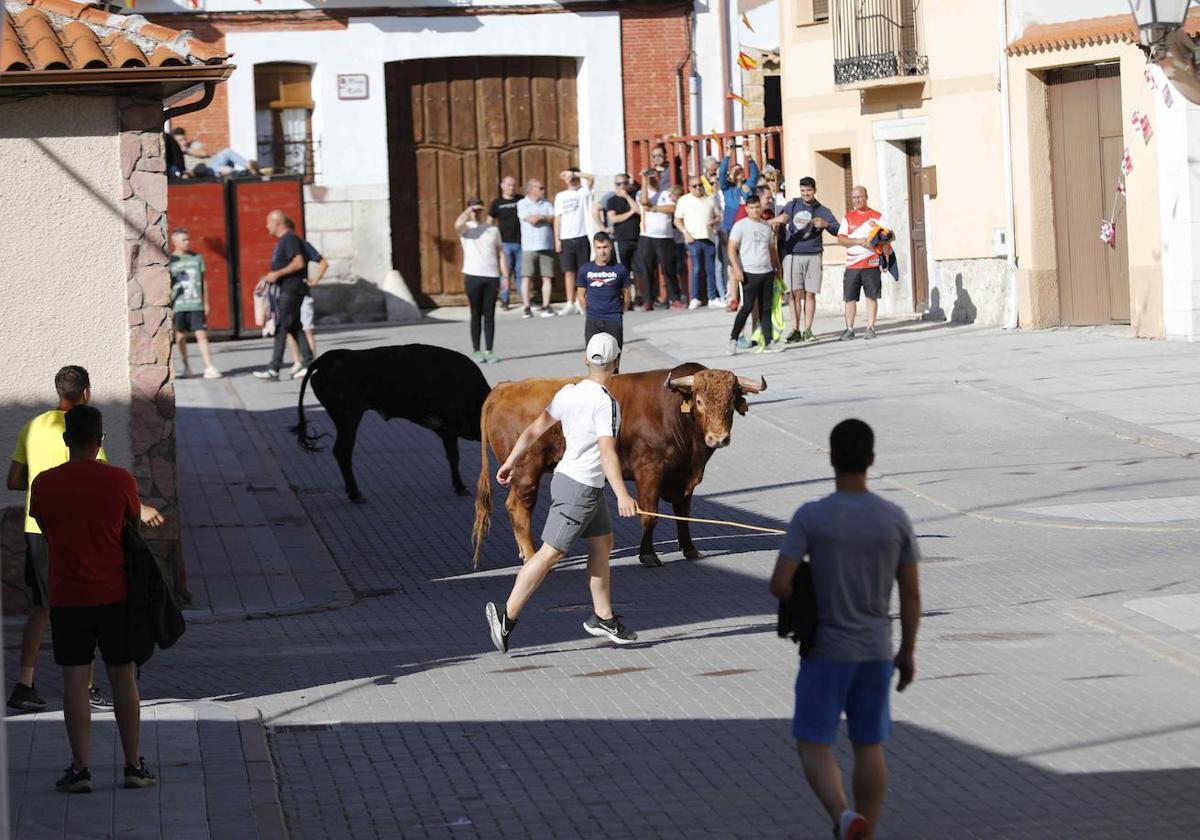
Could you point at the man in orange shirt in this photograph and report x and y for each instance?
(82, 507)
(862, 263)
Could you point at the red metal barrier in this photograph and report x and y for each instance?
(252, 200)
(199, 206)
(686, 154)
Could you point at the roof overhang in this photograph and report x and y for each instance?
(170, 79)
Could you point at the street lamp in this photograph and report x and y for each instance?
(1156, 21)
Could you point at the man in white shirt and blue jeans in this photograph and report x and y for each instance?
(857, 545)
(590, 420)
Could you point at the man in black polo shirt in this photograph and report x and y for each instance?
(504, 216)
(624, 219)
(290, 271)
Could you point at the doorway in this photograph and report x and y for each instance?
(455, 126)
(918, 258)
(1086, 145)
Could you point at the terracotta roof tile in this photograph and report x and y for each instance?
(70, 35)
(1044, 37)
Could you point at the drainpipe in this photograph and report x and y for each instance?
(1006, 132)
(726, 72)
(210, 89)
(679, 132)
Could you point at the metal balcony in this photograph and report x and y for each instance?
(878, 42)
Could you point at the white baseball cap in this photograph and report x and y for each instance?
(602, 349)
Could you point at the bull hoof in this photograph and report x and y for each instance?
(649, 560)
(691, 554)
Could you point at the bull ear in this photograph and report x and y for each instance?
(741, 406)
(681, 383)
(749, 386)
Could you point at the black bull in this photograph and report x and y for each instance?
(433, 387)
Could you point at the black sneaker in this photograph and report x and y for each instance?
(525, 313)
(75, 781)
(140, 776)
(99, 702)
(611, 629)
(500, 626)
(794, 336)
(24, 698)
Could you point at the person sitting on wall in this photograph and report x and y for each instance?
(225, 162)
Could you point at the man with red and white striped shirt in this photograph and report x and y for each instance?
(862, 263)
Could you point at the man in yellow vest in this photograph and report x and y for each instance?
(40, 447)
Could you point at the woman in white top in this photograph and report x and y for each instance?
(483, 262)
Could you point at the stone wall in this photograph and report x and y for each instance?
(753, 86)
(351, 228)
(151, 377)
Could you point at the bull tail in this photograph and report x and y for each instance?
(483, 490)
(307, 440)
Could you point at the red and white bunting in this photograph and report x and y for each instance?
(1108, 233)
(1121, 187)
(1141, 124)
(1126, 162)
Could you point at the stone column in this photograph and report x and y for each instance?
(151, 378)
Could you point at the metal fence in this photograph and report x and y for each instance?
(290, 157)
(877, 39)
(685, 155)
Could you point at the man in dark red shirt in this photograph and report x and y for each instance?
(82, 507)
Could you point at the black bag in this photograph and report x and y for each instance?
(154, 615)
(798, 613)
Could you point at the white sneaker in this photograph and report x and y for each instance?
(852, 826)
(266, 374)
(694, 304)
(569, 309)
(300, 373)
(212, 373)
(733, 348)
(295, 367)
(547, 312)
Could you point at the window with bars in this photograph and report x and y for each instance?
(820, 11)
(283, 117)
(877, 39)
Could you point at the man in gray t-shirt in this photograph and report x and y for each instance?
(857, 544)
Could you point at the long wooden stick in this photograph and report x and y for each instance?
(712, 522)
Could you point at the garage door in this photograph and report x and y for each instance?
(455, 126)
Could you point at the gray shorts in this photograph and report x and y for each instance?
(576, 510)
(306, 313)
(37, 569)
(537, 263)
(802, 272)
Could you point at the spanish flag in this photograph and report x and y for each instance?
(746, 61)
(746, 23)
(739, 100)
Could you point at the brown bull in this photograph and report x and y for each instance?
(671, 423)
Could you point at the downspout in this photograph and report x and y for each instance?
(726, 72)
(1013, 320)
(210, 90)
(679, 131)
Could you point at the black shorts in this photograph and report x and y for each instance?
(600, 325)
(189, 322)
(76, 631)
(866, 279)
(575, 252)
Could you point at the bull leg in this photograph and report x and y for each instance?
(520, 504)
(450, 442)
(684, 508)
(343, 450)
(647, 499)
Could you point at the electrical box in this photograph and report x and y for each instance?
(1000, 243)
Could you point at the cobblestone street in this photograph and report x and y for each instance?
(1052, 480)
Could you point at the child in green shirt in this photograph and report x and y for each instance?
(189, 298)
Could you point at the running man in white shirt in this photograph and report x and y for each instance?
(571, 209)
(590, 420)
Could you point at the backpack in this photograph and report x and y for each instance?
(798, 613)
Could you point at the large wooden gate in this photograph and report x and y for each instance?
(455, 126)
(1085, 156)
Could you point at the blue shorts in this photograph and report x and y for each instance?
(825, 689)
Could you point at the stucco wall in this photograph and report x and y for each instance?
(955, 112)
(62, 269)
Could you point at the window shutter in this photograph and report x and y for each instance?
(820, 10)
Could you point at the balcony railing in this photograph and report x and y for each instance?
(289, 157)
(877, 40)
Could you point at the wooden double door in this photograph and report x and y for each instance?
(455, 127)
(1085, 156)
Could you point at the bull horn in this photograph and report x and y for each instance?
(750, 386)
(682, 381)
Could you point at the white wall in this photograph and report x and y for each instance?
(62, 271)
(353, 133)
(1025, 13)
(707, 40)
(1177, 133)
